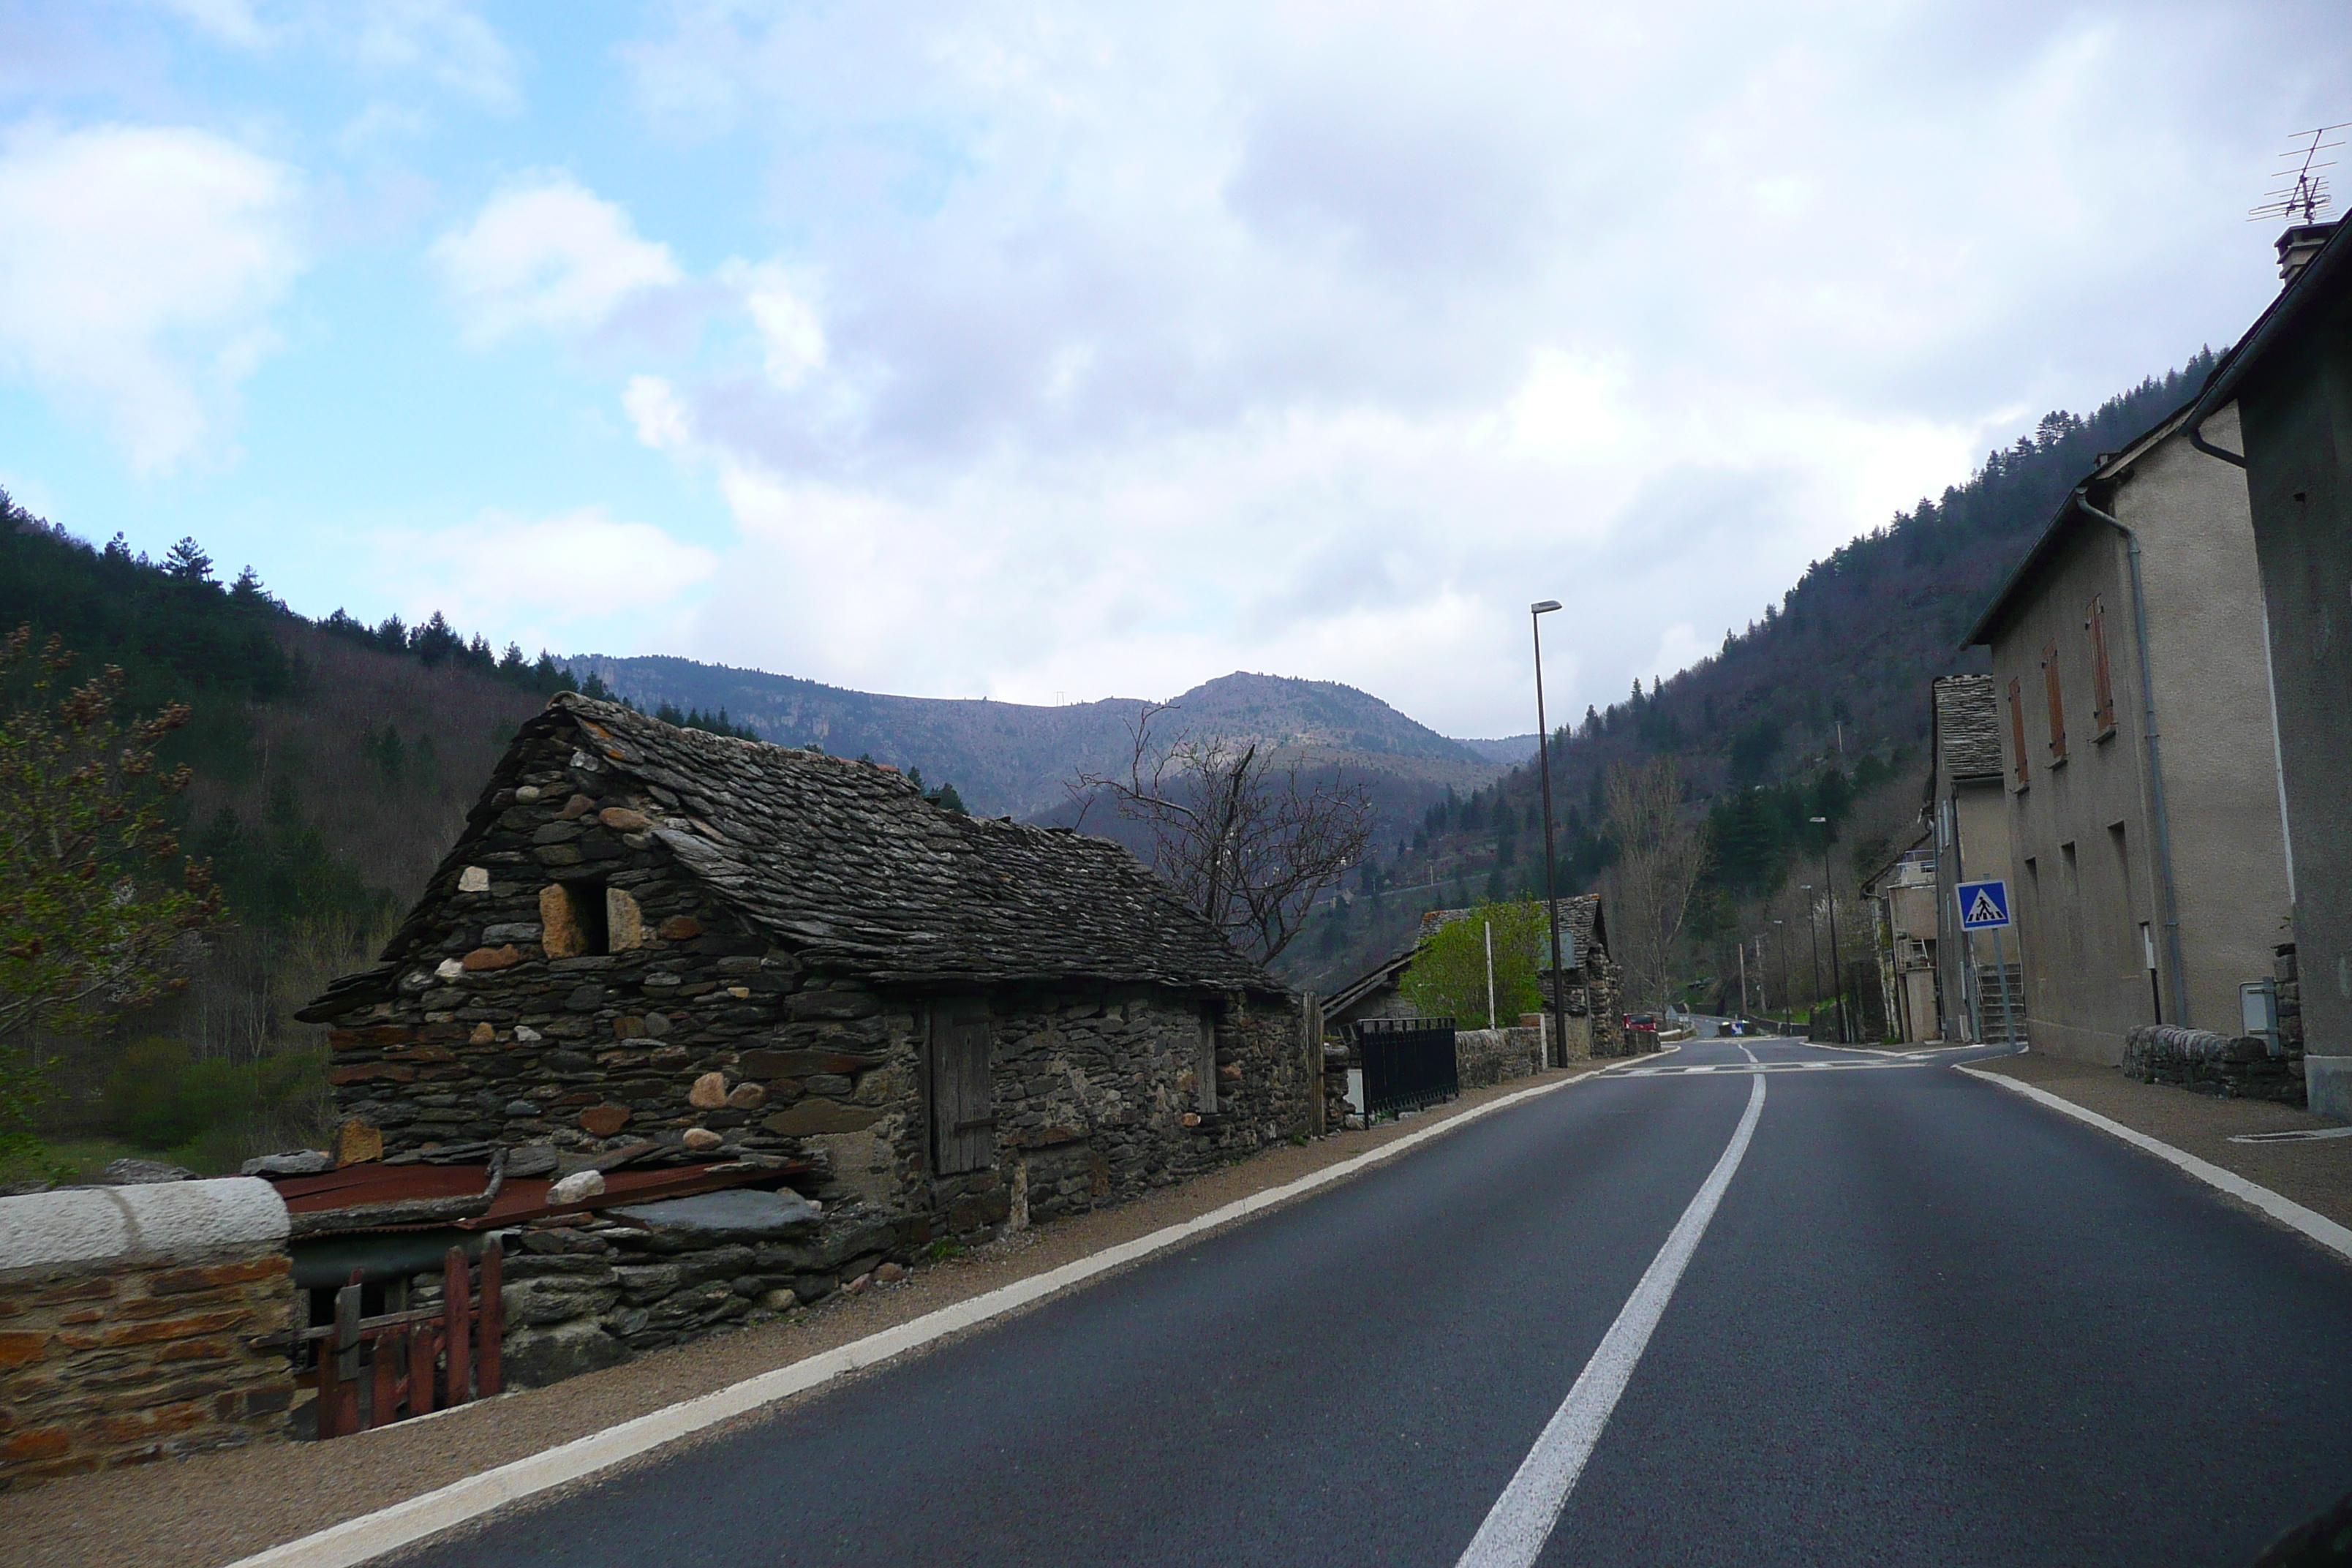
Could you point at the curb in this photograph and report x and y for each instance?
(370, 1535)
(2286, 1211)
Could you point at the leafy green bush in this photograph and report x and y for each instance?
(161, 1098)
(1448, 977)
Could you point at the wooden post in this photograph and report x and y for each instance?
(456, 1286)
(420, 1346)
(383, 1386)
(1310, 1024)
(345, 1386)
(491, 1320)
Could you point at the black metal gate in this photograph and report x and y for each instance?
(1408, 1063)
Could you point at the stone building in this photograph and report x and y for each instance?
(2138, 755)
(1902, 894)
(1969, 817)
(702, 948)
(2279, 409)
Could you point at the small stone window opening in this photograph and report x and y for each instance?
(575, 920)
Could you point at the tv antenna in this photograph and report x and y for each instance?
(2305, 195)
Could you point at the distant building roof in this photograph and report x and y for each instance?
(851, 866)
(1967, 727)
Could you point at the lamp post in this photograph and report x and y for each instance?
(1535, 612)
(1813, 928)
(1781, 950)
(1837, 975)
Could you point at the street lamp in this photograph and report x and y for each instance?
(1535, 613)
(1812, 928)
(1835, 973)
(1781, 950)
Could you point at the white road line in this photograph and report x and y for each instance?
(370, 1535)
(1749, 1054)
(2286, 1211)
(1522, 1519)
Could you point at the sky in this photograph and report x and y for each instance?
(1062, 352)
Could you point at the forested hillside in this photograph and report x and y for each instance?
(1817, 708)
(330, 772)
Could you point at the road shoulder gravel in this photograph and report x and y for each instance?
(214, 1509)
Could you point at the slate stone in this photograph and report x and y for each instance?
(301, 1162)
(536, 1356)
(738, 1214)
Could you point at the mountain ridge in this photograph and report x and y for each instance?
(1016, 759)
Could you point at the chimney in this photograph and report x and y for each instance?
(2298, 245)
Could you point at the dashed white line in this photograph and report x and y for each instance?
(1522, 1519)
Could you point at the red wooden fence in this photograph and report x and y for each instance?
(413, 1361)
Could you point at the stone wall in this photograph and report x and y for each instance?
(2237, 1068)
(1485, 1057)
(127, 1323)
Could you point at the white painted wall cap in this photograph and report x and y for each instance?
(159, 1221)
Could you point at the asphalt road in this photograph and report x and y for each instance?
(1928, 1323)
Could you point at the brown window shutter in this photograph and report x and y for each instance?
(2017, 727)
(2057, 703)
(2103, 689)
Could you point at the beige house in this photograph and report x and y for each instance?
(2138, 751)
(1969, 820)
(1904, 895)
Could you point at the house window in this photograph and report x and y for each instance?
(2057, 704)
(963, 1119)
(2017, 729)
(2103, 685)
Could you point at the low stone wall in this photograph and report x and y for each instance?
(2198, 1059)
(1485, 1057)
(597, 1290)
(127, 1323)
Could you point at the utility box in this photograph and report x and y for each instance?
(2258, 1013)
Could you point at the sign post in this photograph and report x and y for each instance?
(1984, 906)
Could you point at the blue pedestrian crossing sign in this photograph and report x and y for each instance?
(1984, 906)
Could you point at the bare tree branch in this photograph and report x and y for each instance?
(1248, 846)
(1660, 855)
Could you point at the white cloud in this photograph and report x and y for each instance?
(657, 413)
(791, 338)
(547, 253)
(1285, 336)
(138, 266)
(580, 580)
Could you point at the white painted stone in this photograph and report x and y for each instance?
(167, 1219)
(474, 879)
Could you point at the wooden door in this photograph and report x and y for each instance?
(963, 1118)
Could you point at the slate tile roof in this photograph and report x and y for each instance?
(1968, 727)
(848, 864)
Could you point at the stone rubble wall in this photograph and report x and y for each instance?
(1485, 1057)
(127, 1323)
(2236, 1068)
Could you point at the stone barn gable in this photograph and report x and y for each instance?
(702, 947)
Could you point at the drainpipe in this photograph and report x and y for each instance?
(2171, 910)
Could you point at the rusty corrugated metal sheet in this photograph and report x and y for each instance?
(521, 1199)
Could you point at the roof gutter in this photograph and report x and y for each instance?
(2171, 902)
